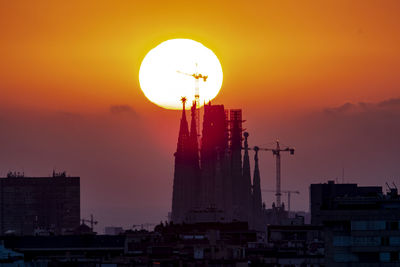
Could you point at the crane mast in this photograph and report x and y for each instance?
(277, 153)
(278, 175)
(197, 76)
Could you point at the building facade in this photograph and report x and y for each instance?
(30, 205)
(361, 224)
(213, 183)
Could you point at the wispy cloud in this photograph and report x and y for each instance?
(118, 109)
(391, 104)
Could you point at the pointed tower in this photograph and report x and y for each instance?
(194, 159)
(194, 146)
(179, 195)
(183, 136)
(247, 179)
(256, 197)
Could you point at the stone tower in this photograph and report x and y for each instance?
(215, 184)
(256, 196)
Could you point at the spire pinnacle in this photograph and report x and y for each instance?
(256, 148)
(183, 100)
(183, 130)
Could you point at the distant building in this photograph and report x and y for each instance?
(71, 250)
(37, 205)
(296, 245)
(323, 196)
(213, 184)
(112, 230)
(361, 224)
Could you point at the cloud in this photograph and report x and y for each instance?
(391, 105)
(118, 109)
(343, 108)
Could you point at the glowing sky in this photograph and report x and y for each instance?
(69, 71)
(85, 55)
(180, 68)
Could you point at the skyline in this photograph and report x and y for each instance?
(321, 78)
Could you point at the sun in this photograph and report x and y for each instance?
(165, 75)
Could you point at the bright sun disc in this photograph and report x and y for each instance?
(165, 71)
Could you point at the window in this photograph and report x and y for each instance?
(394, 240)
(384, 257)
(341, 241)
(365, 241)
(367, 225)
(345, 257)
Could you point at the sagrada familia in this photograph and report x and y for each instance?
(213, 183)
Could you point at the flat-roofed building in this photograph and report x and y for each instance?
(39, 205)
(361, 224)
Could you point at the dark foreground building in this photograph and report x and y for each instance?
(200, 244)
(213, 183)
(361, 224)
(36, 205)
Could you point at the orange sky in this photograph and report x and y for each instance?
(85, 56)
(70, 96)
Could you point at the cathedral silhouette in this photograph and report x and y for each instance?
(213, 183)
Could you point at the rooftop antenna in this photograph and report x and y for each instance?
(197, 76)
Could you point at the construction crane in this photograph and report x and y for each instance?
(197, 76)
(91, 221)
(288, 192)
(277, 153)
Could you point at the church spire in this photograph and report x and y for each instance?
(183, 130)
(246, 160)
(179, 194)
(257, 205)
(246, 172)
(194, 178)
(193, 137)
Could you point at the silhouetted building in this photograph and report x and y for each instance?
(72, 250)
(215, 185)
(297, 245)
(323, 196)
(361, 224)
(113, 230)
(38, 205)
